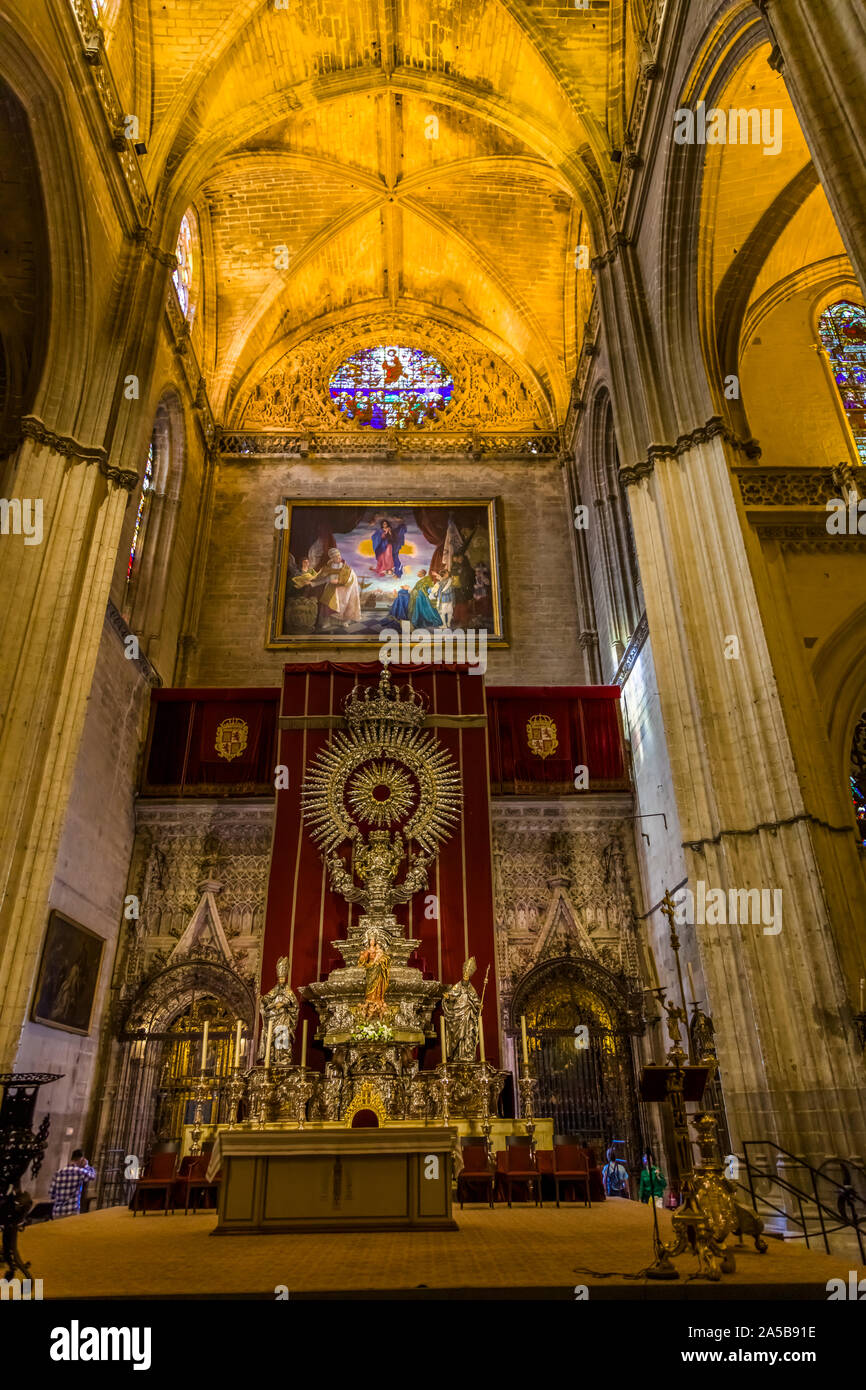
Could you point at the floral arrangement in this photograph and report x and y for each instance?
(372, 1030)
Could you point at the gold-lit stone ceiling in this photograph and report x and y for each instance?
(437, 161)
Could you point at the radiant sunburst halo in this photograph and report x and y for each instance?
(381, 793)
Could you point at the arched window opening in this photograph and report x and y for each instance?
(141, 514)
(842, 328)
(391, 387)
(858, 776)
(185, 273)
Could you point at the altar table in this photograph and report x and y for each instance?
(389, 1179)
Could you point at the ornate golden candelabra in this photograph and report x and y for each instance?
(303, 1091)
(485, 1110)
(235, 1092)
(261, 1096)
(201, 1091)
(444, 1088)
(709, 1212)
(527, 1086)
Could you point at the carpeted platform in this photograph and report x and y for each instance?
(518, 1253)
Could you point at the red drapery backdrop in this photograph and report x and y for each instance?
(585, 722)
(303, 916)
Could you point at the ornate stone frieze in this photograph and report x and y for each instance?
(792, 487)
(385, 444)
(201, 881)
(810, 538)
(34, 428)
(563, 887)
(715, 428)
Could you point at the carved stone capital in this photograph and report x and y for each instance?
(34, 428)
(715, 428)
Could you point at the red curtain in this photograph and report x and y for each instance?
(539, 736)
(304, 918)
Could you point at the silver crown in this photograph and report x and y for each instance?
(386, 703)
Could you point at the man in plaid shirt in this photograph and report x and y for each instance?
(67, 1184)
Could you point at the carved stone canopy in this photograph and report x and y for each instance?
(174, 988)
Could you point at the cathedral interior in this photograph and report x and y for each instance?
(433, 638)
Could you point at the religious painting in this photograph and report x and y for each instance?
(68, 975)
(355, 572)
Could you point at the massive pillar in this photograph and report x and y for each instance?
(822, 53)
(748, 818)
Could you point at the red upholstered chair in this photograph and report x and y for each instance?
(570, 1165)
(159, 1176)
(192, 1183)
(520, 1166)
(476, 1170)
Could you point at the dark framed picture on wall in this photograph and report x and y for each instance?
(352, 572)
(68, 975)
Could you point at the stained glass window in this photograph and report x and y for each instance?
(391, 387)
(146, 485)
(859, 796)
(843, 335)
(183, 273)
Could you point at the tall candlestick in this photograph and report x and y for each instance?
(523, 1035)
(268, 1042)
(304, 1045)
(204, 1045)
(691, 981)
(481, 1040)
(444, 1040)
(238, 1031)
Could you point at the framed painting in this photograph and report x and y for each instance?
(68, 975)
(353, 572)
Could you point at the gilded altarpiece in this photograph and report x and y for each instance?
(190, 953)
(570, 961)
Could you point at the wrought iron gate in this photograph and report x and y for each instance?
(580, 1054)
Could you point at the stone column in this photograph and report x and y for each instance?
(50, 627)
(822, 57)
(790, 1059)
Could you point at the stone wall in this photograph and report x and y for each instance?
(90, 884)
(535, 555)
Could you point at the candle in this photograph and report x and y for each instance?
(691, 980)
(444, 1040)
(481, 1040)
(304, 1045)
(523, 1035)
(238, 1032)
(268, 1042)
(204, 1045)
(862, 988)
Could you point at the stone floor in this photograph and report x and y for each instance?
(524, 1252)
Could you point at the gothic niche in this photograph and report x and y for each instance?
(579, 1022)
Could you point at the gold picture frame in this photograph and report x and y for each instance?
(459, 535)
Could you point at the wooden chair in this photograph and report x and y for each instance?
(521, 1167)
(159, 1175)
(476, 1170)
(192, 1182)
(570, 1164)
